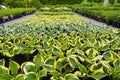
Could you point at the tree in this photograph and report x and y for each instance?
(1, 1)
(116, 1)
(85, 0)
(106, 2)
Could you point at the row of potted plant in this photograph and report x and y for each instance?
(10, 14)
(106, 15)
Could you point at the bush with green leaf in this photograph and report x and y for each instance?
(64, 51)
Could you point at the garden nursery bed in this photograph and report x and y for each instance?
(10, 14)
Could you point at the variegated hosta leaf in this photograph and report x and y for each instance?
(91, 53)
(3, 70)
(68, 68)
(57, 78)
(116, 64)
(15, 51)
(2, 62)
(78, 44)
(71, 51)
(59, 65)
(49, 64)
(73, 62)
(115, 46)
(110, 55)
(64, 46)
(105, 48)
(31, 76)
(14, 67)
(46, 45)
(106, 67)
(98, 74)
(71, 77)
(41, 51)
(88, 43)
(20, 77)
(81, 55)
(6, 77)
(28, 67)
(56, 73)
(43, 73)
(82, 68)
(79, 74)
(38, 60)
(95, 66)
(56, 51)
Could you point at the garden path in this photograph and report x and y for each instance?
(91, 20)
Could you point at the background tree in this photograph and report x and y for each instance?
(115, 1)
(85, 0)
(1, 2)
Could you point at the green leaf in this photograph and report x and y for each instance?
(82, 68)
(15, 50)
(14, 67)
(73, 62)
(28, 67)
(107, 55)
(48, 67)
(31, 76)
(116, 64)
(70, 52)
(43, 73)
(2, 62)
(64, 47)
(6, 47)
(41, 51)
(71, 77)
(98, 74)
(79, 74)
(68, 68)
(82, 56)
(106, 67)
(91, 53)
(38, 60)
(95, 66)
(58, 65)
(57, 52)
(105, 48)
(78, 44)
(4, 70)
(50, 61)
(20, 77)
(56, 73)
(6, 77)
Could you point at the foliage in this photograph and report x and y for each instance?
(64, 51)
(55, 8)
(106, 14)
(117, 5)
(53, 17)
(22, 4)
(54, 2)
(96, 1)
(15, 11)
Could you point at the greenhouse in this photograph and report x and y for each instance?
(59, 39)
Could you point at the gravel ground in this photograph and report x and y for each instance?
(16, 20)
